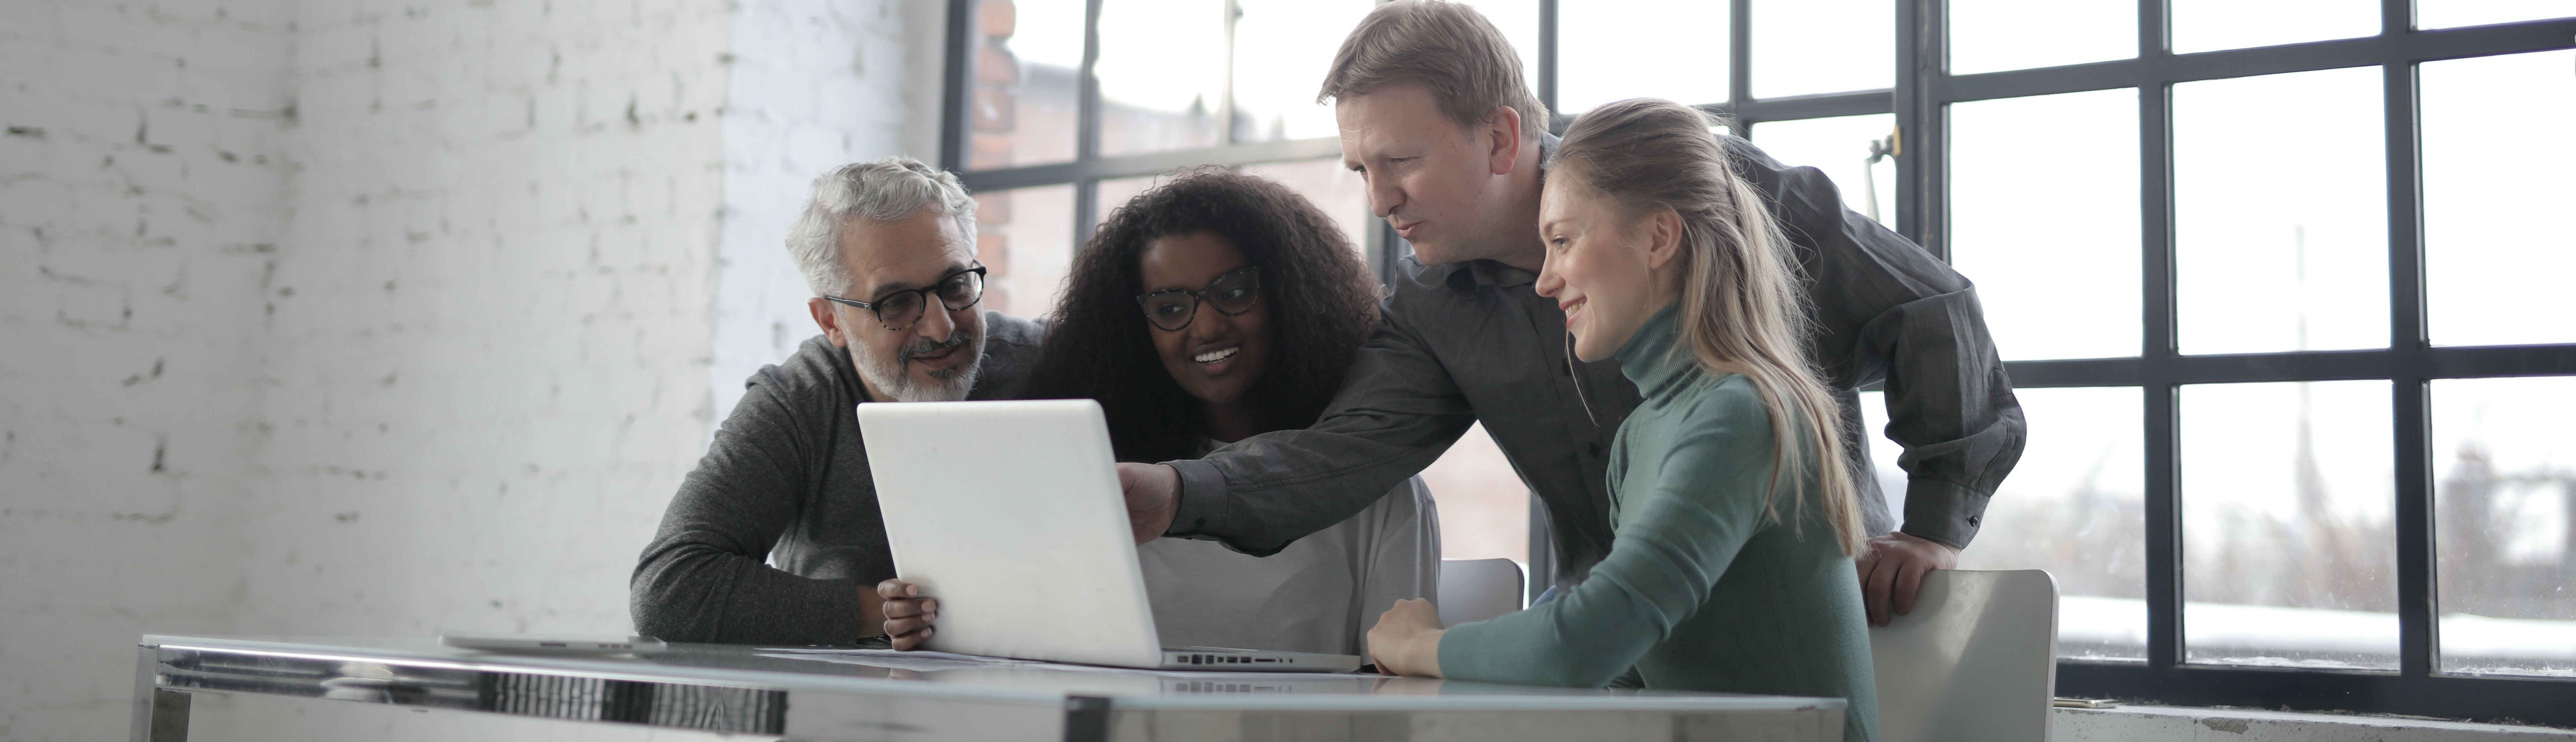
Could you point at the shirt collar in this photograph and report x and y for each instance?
(1466, 275)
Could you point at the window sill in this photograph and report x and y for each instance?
(2162, 723)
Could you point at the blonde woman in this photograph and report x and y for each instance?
(1735, 518)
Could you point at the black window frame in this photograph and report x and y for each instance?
(1923, 91)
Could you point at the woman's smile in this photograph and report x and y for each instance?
(1217, 356)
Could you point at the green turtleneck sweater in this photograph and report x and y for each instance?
(1702, 590)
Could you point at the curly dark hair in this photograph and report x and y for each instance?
(1322, 305)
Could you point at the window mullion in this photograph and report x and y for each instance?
(1541, 562)
(1922, 180)
(1225, 106)
(2417, 637)
(1086, 143)
(1547, 45)
(954, 84)
(1739, 58)
(2158, 355)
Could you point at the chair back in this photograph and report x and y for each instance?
(1975, 662)
(1478, 589)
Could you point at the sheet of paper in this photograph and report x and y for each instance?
(923, 654)
(928, 661)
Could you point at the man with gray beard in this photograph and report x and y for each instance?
(776, 538)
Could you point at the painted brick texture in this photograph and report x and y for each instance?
(490, 329)
(142, 203)
(366, 317)
(815, 85)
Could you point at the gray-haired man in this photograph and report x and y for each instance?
(889, 247)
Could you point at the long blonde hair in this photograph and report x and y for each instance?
(1741, 310)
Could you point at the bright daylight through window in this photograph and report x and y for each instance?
(2279, 282)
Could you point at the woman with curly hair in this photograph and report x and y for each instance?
(1212, 308)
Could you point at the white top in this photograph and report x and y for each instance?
(1321, 594)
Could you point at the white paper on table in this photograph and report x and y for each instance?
(926, 661)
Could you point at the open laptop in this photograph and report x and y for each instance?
(1011, 515)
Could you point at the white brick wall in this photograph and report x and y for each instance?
(381, 318)
(488, 353)
(812, 83)
(142, 184)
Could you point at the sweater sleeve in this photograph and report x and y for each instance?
(1678, 534)
(705, 577)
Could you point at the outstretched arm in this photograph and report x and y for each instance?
(1396, 413)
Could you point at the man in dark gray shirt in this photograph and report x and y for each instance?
(1435, 116)
(775, 538)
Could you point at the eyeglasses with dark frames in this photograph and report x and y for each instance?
(898, 309)
(1233, 292)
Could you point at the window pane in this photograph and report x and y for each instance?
(2044, 217)
(1281, 51)
(1484, 507)
(2504, 468)
(2281, 212)
(1116, 192)
(1324, 182)
(2290, 555)
(2211, 25)
(1333, 188)
(1822, 46)
(2498, 244)
(1162, 75)
(1605, 53)
(1025, 239)
(2076, 506)
(1997, 35)
(1518, 20)
(2449, 13)
(1027, 56)
(1840, 146)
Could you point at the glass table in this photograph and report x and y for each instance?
(818, 693)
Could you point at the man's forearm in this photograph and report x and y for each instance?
(1396, 413)
(1942, 512)
(693, 594)
(1299, 482)
(1950, 403)
(1201, 509)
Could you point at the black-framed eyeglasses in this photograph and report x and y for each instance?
(898, 309)
(1232, 292)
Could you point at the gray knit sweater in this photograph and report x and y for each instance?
(769, 539)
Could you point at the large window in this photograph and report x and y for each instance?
(2264, 273)
(2280, 283)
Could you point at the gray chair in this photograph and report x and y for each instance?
(1975, 662)
(1478, 589)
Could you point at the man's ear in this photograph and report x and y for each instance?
(827, 319)
(1505, 150)
(1663, 238)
